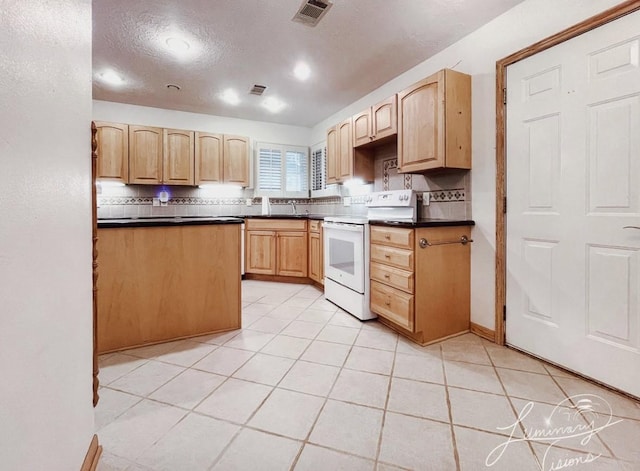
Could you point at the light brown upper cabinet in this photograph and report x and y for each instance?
(113, 151)
(145, 155)
(236, 160)
(221, 159)
(345, 151)
(376, 123)
(434, 123)
(343, 161)
(209, 155)
(178, 158)
(332, 155)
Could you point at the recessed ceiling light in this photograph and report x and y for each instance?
(273, 104)
(230, 96)
(177, 45)
(110, 77)
(302, 71)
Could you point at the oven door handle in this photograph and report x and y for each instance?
(343, 227)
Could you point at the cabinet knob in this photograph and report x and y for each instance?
(388, 302)
(387, 236)
(386, 275)
(387, 255)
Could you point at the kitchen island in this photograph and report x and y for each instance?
(163, 279)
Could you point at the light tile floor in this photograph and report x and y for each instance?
(306, 386)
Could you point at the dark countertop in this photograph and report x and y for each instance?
(168, 221)
(425, 223)
(285, 216)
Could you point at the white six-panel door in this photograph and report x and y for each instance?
(573, 185)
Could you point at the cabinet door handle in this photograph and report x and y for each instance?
(387, 302)
(386, 275)
(631, 227)
(387, 255)
(387, 236)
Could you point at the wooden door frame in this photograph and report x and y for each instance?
(596, 21)
(94, 239)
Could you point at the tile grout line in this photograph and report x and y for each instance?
(513, 408)
(242, 426)
(386, 405)
(326, 400)
(570, 398)
(454, 442)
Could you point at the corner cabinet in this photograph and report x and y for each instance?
(332, 155)
(145, 155)
(434, 123)
(433, 259)
(113, 151)
(276, 247)
(343, 161)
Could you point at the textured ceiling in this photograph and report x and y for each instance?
(358, 46)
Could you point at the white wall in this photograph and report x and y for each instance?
(46, 415)
(476, 54)
(256, 130)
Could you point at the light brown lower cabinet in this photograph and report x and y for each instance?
(163, 283)
(261, 252)
(276, 247)
(316, 254)
(420, 281)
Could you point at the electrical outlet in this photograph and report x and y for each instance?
(426, 198)
(156, 201)
(346, 201)
(248, 201)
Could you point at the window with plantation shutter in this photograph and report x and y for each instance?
(296, 171)
(282, 171)
(270, 169)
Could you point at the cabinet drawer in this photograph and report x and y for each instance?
(314, 226)
(393, 236)
(392, 256)
(392, 304)
(256, 224)
(394, 277)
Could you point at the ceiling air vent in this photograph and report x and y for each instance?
(311, 12)
(257, 90)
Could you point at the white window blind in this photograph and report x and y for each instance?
(282, 170)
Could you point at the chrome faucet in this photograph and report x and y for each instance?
(293, 205)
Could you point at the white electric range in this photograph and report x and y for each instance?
(346, 249)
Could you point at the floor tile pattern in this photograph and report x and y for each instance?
(306, 386)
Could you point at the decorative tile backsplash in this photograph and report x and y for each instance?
(448, 196)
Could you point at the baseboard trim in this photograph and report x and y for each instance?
(483, 332)
(90, 462)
